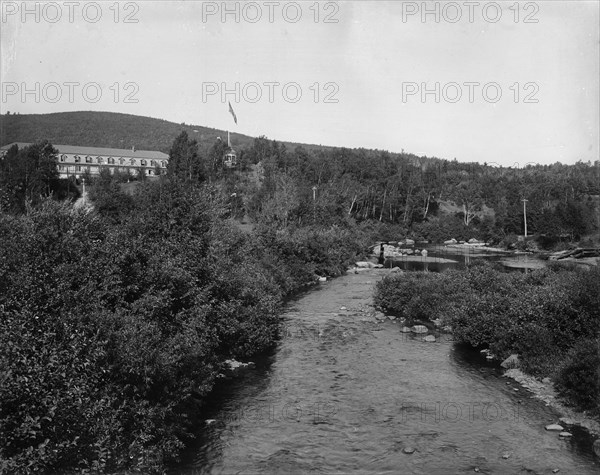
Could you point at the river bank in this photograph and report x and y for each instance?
(544, 390)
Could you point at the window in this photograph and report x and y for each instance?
(88, 159)
(144, 162)
(111, 161)
(121, 161)
(63, 157)
(162, 164)
(77, 159)
(78, 168)
(132, 161)
(100, 160)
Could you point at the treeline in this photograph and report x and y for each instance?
(548, 317)
(116, 321)
(409, 192)
(421, 197)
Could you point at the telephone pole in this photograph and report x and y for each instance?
(525, 214)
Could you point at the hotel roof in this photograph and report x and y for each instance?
(99, 151)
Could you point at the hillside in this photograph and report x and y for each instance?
(111, 129)
(106, 129)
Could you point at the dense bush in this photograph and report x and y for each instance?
(415, 296)
(547, 316)
(104, 335)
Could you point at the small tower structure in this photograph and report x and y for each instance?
(230, 157)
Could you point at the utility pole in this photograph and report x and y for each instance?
(314, 190)
(525, 215)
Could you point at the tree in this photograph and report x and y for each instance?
(28, 175)
(184, 160)
(468, 195)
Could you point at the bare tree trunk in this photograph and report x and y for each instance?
(383, 204)
(407, 206)
(352, 205)
(427, 205)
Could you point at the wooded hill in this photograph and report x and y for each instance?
(109, 129)
(427, 197)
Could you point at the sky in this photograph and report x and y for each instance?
(506, 83)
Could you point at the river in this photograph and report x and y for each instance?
(345, 392)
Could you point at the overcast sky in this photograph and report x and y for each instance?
(464, 80)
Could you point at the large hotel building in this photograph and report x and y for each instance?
(74, 160)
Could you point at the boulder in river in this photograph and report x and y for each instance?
(408, 450)
(596, 447)
(429, 338)
(511, 362)
(554, 427)
(365, 265)
(234, 366)
(565, 434)
(419, 329)
(405, 330)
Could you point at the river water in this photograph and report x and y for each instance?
(441, 258)
(345, 392)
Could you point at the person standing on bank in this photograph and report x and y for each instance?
(381, 258)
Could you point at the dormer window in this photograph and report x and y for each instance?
(121, 161)
(77, 159)
(162, 164)
(111, 160)
(63, 157)
(100, 160)
(88, 159)
(144, 162)
(132, 161)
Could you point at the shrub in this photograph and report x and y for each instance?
(578, 377)
(417, 296)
